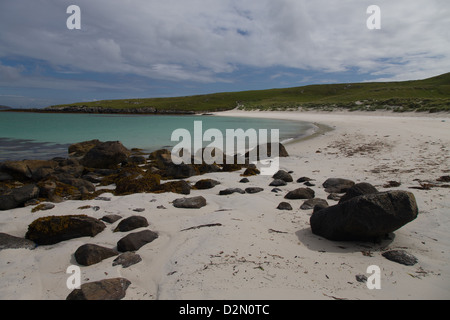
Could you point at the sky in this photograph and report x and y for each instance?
(161, 48)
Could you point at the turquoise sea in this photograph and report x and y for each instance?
(26, 135)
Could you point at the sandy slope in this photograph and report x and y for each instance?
(260, 252)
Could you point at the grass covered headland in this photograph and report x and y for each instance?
(428, 95)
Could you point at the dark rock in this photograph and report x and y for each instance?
(309, 184)
(190, 203)
(134, 241)
(25, 169)
(105, 155)
(265, 151)
(231, 191)
(5, 176)
(53, 229)
(137, 182)
(277, 183)
(108, 289)
(311, 203)
(17, 197)
(92, 177)
(284, 206)
(244, 180)
(43, 207)
(276, 190)
(206, 184)
(11, 242)
(334, 196)
(131, 223)
(392, 184)
(367, 217)
(127, 259)
(304, 179)
(300, 193)
(111, 218)
(253, 190)
(337, 185)
(358, 190)
(80, 149)
(75, 171)
(137, 160)
(361, 278)
(283, 175)
(139, 210)
(89, 254)
(443, 179)
(400, 256)
(251, 172)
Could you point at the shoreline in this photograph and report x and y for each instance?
(254, 251)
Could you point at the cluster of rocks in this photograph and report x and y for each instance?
(94, 163)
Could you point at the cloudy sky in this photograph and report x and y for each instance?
(158, 48)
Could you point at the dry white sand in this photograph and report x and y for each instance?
(260, 252)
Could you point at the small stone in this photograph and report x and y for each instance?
(231, 191)
(284, 206)
(400, 256)
(278, 183)
(361, 278)
(253, 190)
(111, 218)
(127, 259)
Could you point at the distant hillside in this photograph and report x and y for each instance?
(5, 108)
(430, 95)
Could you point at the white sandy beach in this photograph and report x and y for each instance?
(260, 252)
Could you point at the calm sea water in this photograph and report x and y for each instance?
(46, 135)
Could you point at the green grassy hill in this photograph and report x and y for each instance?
(430, 95)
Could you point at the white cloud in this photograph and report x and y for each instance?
(199, 40)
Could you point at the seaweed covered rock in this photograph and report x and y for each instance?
(137, 182)
(180, 186)
(54, 229)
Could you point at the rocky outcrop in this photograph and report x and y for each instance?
(17, 197)
(366, 217)
(106, 155)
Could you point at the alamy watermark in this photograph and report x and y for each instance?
(236, 147)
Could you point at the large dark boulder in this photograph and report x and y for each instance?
(106, 155)
(17, 197)
(134, 241)
(337, 185)
(54, 229)
(368, 217)
(89, 254)
(108, 289)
